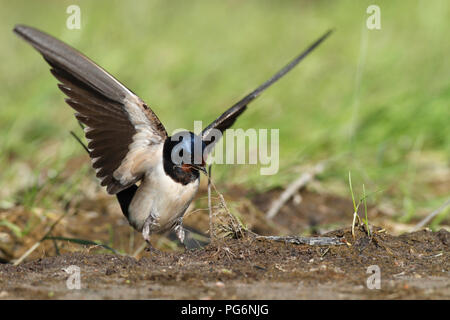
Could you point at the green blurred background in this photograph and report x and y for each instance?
(373, 102)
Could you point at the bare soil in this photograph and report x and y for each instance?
(412, 265)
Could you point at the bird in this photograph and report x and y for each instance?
(154, 176)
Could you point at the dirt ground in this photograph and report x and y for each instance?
(410, 266)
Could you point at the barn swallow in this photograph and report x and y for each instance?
(131, 152)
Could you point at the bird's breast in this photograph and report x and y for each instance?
(160, 195)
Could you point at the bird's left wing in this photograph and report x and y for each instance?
(123, 133)
(227, 119)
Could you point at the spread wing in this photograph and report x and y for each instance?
(123, 133)
(227, 119)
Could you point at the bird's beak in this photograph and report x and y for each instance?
(199, 168)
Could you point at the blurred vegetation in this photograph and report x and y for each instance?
(374, 102)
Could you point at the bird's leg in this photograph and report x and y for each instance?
(149, 225)
(179, 230)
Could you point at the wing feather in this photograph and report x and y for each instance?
(120, 128)
(228, 118)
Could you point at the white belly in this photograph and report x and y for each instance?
(158, 193)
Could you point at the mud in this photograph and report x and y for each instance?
(412, 266)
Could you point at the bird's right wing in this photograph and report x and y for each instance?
(123, 133)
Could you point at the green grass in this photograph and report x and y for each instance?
(377, 102)
(362, 200)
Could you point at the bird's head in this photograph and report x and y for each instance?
(184, 151)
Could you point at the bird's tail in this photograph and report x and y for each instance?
(124, 197)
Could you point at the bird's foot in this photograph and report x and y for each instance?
(149, 224)
(180, 232)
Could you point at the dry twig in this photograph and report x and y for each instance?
(433, 214)
(292, 188)
(211, 227)
(311, 241)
